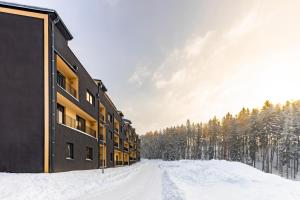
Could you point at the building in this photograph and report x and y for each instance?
(54, 116)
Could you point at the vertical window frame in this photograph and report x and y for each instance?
(90, 98)
(60, 110)
(61, 80)
(89, 153)
(81, 123)
(70, 151)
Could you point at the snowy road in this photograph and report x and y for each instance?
(144, 184)
(153, 180)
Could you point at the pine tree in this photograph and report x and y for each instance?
(268, 135)
(254, 127)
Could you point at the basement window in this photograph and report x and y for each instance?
(70, 151)
(89, 153)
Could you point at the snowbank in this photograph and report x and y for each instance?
(67, 185)
(215, 180)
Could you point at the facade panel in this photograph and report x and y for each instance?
(22, 99)
(80, 142)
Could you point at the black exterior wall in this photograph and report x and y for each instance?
(86, 82)
(22, 94)
(80, 142)
(65, 134)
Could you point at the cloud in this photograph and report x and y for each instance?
(176, 78)
(223, 70)
(139, 75)
(247, 24)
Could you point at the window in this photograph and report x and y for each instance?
(61, 80)
(80, 123)
(110, 118)
(60, 114)
(90, 98)
(70, 151)
(89, 153)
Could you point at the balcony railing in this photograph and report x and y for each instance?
(101, 117)
(132, 158)
(125, 163)
(132, 161)
(118, 162)
(102, 162)
(69, 88)
(101, 137)
(73, 123)
(116, 144)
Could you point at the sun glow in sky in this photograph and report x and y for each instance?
(167, 61)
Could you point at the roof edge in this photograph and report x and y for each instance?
(68, 34)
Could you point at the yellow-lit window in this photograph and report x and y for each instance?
(90, 98)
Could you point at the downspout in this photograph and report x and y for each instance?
(98, 122)
(53, 96)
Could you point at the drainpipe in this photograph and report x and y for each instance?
(98, 122)
(53, 96)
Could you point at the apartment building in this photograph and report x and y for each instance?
(54, 116)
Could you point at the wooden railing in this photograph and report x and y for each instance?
(73, 123)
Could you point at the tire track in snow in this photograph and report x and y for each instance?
(169, 189)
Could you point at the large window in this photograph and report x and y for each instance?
(60, 114)
(89, 153)
(80, 123)
(70, 151)
(90, 98)
(61, 80)
(110, 117)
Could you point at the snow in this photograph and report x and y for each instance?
(228, 180)
(153, 180)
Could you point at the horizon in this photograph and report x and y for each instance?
(225, 55)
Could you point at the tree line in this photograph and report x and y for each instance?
(265, 138)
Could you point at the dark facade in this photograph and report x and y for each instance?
(54, 116)
(21, 104)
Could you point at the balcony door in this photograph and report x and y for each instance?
(61, 80)
(60, 114)
(80, 123)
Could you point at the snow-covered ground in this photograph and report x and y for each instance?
(153, 180)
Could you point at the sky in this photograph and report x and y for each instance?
(164, 62)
